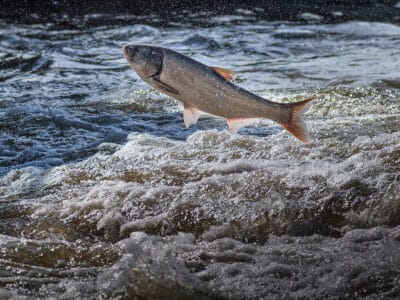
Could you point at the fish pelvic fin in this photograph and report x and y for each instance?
(234, 124)
(296, 125)
(225, 73)
(190, 115)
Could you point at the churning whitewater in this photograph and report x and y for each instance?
(104, 193)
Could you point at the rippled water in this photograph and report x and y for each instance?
(104, 193)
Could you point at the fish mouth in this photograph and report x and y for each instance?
(125, 50)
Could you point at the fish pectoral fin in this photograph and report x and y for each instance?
(163, 86)
(190, 115)
(234, 124)
(225, 73)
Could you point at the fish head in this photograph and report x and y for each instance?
(146, 60)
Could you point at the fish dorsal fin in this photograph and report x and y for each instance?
(190, 115)
(234, 124)
(225, 73)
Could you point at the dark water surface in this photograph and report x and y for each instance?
(104, 193)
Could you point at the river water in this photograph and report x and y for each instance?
(105, 194)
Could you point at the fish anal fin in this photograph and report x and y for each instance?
(234, 124)
(225, 73)
(190, 115)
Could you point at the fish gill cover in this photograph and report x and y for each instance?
(105, 194)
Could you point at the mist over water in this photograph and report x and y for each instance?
(104, 193)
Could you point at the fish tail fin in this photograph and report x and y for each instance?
(296, 125)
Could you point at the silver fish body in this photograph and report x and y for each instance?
(202, 89)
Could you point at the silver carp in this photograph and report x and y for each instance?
(208, 89)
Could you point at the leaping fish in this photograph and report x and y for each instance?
(208, 89)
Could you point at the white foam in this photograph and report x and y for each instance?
(22, 181)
